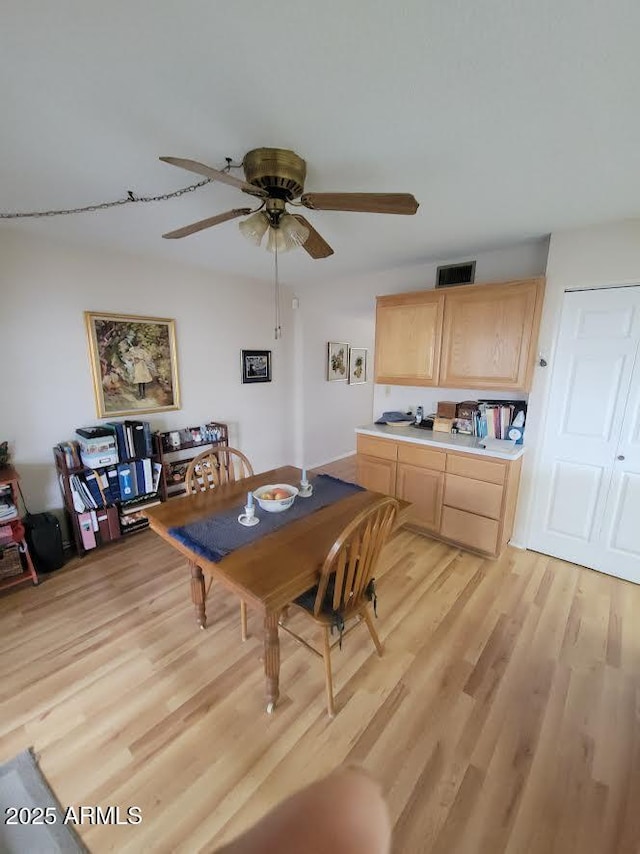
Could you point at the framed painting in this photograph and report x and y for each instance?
(337, 361)
(134, 363)
(256, 366)
(357, 365)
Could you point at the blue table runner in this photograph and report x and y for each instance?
(216, 536)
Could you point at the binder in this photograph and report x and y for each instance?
(121, 444)
(95, 489)
(125, 481)
(148, 438)
(139, 439)
(86, 531)
(103, 525)
(113, 488)
(128, 432)
(113, 520)
(148, 475)
(140, 481)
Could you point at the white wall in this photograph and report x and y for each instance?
(345, 311)
(46, 390)
(596, 257)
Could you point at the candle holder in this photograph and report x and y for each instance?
(248, 518)
(305, 489)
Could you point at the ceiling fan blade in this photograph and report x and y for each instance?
(207, 223)
(215, 174)
(315, 245)
(385, 203)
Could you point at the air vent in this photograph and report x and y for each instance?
(450, 275)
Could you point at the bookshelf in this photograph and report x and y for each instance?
(176, 448)
(104, 502)
(16, 565)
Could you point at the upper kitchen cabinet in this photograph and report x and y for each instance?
(489, 335)
(408, 338)
(472, 336)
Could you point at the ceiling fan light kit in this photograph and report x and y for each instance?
(276, 176)
(255, 227)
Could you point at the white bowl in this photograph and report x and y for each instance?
(275, 505)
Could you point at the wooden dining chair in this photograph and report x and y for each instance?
(216, 467)
(345, 588)
(213, 468)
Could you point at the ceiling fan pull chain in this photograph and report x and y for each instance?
(278, 328)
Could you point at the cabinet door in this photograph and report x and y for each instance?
(408, 336)
(490, 334)
(423, 488)
(376, 474)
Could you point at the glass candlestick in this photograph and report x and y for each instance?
(305, 487)
(248, 518)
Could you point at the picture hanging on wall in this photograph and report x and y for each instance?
(337, 361)
(357, 365)
(134, 363)
(256, 366)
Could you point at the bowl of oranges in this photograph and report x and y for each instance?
(275, 497)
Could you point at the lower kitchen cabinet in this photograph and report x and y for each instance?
(423, 488)
(467, 500)
(376, 474)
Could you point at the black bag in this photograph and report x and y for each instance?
(44, 539)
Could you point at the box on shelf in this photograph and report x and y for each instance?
(97, 447)
(442, 425)
(446, 409)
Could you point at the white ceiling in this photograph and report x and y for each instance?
(507, 120)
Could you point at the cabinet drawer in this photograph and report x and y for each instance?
(468, 466)
(476, 496)
(476, 532)
(418, 455)
(385, 449)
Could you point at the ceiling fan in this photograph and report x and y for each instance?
(276, 177)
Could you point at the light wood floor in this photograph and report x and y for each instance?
(505, 715)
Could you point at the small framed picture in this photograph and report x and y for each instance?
(357, 365)
(337, 361)
(256, 366)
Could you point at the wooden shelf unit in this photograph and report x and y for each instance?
(64, 472)
(172, 457)
(10, 477)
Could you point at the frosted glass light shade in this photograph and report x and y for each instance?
(255, 227)
(293, 230)
(277, 238)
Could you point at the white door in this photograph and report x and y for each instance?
(587, 499)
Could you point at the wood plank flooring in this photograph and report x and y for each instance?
(504, 716)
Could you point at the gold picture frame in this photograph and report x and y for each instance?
(134, 363)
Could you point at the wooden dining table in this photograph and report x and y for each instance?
(269, 573)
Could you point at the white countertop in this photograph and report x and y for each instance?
(446, 441)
